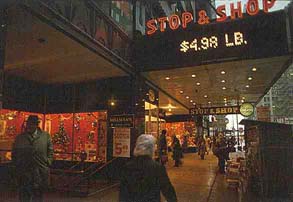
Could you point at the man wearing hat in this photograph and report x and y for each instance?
(32, 154)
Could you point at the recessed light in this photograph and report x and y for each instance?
(193, 75)
(274, 106)
(181, 92)
(243, 98)
(194, 103)
(225, 104)
(198, 84)
(247, 86)
(225, 98)
(242, 101)
(187, 97)
(223, 81)
(112, 103)
(224, 88)
(209, 102)
(167, 78)
(254, 69)
(205, 96)
(249, 78)
(169, 109)
(191, 100)
(223, 72)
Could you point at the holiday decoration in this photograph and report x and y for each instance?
(61, 137)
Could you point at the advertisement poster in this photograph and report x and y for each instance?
(121, 142)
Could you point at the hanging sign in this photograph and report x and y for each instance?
(122, 121)
(246, 109)
(174, 21)
(121, 142)
(215, 110)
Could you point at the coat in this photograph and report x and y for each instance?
(32, 155)
(177, 150)
(142, 179)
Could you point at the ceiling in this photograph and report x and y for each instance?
(36, 51)
(205, 88)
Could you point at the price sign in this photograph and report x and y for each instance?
(121, 142)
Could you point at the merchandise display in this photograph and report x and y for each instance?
(71, 133)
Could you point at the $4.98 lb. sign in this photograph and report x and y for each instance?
(121, 142)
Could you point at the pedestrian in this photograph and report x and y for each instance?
(177, 151)
(220, 150)
(208, 144)
(163, 152)
(142, 179)
(202, 149)
(32, 154)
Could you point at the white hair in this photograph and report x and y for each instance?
(145, 145)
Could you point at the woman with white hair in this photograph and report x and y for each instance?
(143, 178)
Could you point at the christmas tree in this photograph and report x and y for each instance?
(61, 137)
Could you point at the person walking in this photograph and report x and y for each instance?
(176, 151)
(163, 149)
(32, 154)
(142, 179)
(220, 150)
(208, 144)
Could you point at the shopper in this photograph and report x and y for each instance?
(163, 152)
(142, 178)
(202, 149)
(177, 151)
(220, 150)
(32, 154)
(208, 144)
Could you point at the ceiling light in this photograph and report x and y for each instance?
(191, 100)
(198, 84)
(243, 98)
(194, 103)
(205, 96)
(247, 86)
(249, 78)
(112, 103)
(225, 104)
(209, 102)
(193, 75)
(242, 101)
(181, 92)
(187, 97)
(291, 73)
(254, 69)
(167, 78)
(223, 81)
(223, 72)
(169, 109)
(225, 98)
(224, 88)
(274, 106)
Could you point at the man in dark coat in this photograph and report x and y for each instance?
(142, 178)
(163, 147)
(32, 154)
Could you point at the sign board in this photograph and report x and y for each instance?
(263, 114)
(246, 109)
(124, 121)
(215, 110)
(246, 38)
(121, 142)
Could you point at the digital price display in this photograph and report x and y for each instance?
(253, 37)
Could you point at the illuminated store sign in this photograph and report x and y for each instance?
(174, 21)
(122, 121)
(215, 110)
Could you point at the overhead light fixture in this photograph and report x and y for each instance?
(194, 103)
(209, 102)
(254, 69)
(205, 96)
(167, 78)
(198, 83)
(249, 78)
(169, 109)
(193, 75)
(112, 103)
(243, 98)
(181, 92)
(224, 88)
(225, 104)
(187, 97)
(223, 81)
(223, 72)
(191, 100)
(247, 86)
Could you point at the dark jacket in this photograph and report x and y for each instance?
(177, 150)
(143, 179)
(32, 155)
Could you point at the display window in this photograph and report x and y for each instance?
(71, 134)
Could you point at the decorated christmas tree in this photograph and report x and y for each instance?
(61, 138)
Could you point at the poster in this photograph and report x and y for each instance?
(121, 142)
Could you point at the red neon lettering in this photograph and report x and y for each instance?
(186, 18)
(252, 7)
(162, 21)
(151, 24)
(267, 4)
(174, 22)
(236, 11)
(221, 11)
